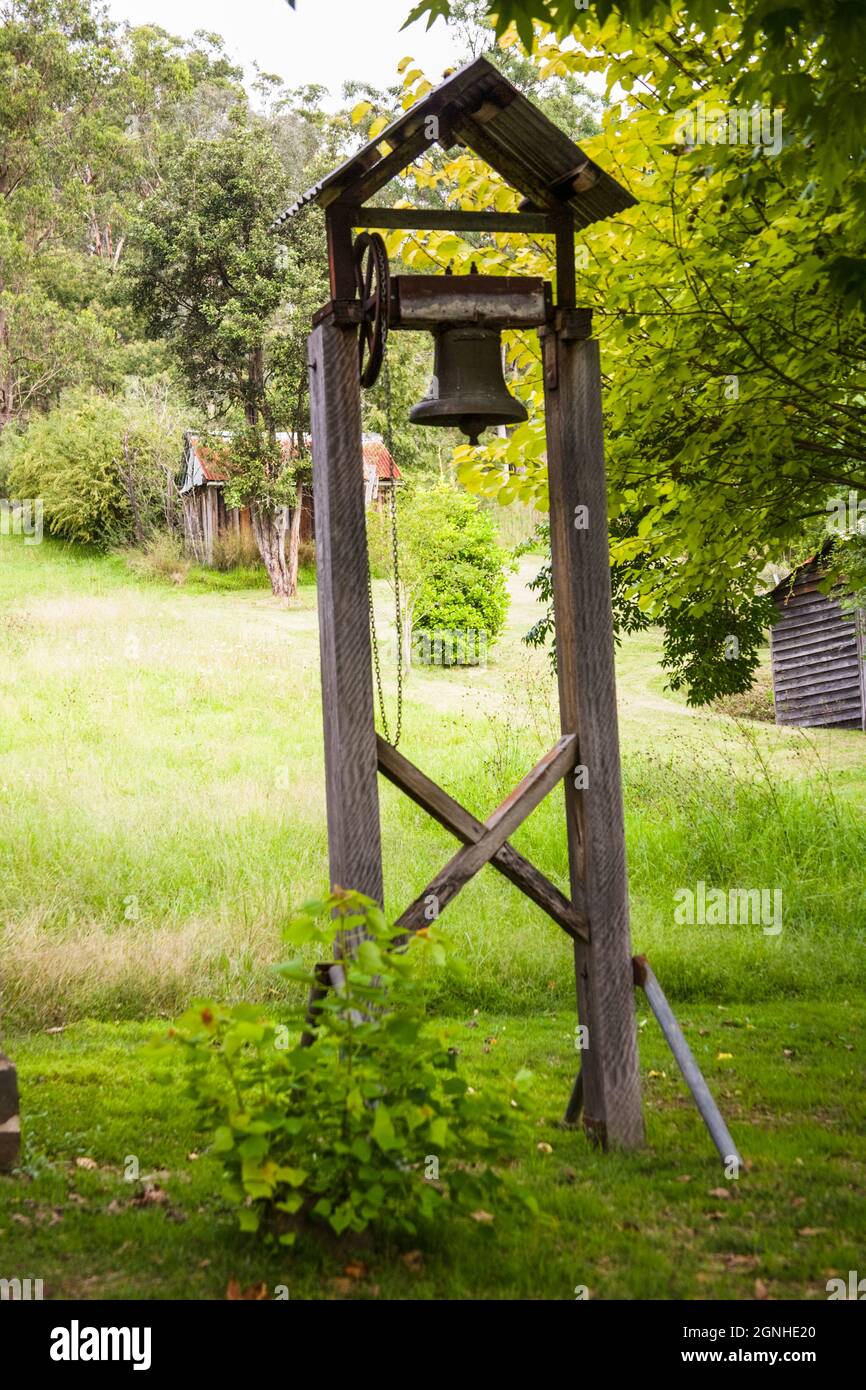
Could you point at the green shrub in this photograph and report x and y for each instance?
(464, 589)
(372, 1125)
(452, 572)
(100, 466)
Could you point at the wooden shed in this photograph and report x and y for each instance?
(203, 477)
(201, 485)
(818, 653)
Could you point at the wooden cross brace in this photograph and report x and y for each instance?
(487, 842)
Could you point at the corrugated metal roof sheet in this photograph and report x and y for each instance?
(376, 456)
(479, 107)
(202, 465)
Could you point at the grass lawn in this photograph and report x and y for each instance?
(162, 811)
(663, 1223)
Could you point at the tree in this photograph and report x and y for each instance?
(209, 276)
(803, 55)
(87, 116)
(733, 340)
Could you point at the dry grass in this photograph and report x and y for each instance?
(49, 978)
(164, 746)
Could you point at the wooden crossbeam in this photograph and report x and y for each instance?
(503, 822)
(449, 220)
(455, 818)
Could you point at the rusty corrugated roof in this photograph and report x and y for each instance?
(376, 456)
(215, 469)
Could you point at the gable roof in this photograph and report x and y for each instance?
(376, 457)
(202, 465)
(479, 107)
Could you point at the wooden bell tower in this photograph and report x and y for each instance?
(563, 191)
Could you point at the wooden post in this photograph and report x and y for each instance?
(354, 844)
(587, 696)
(10, 1122)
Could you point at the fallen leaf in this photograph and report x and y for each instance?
(724, 1056)
(719, 1192)
(812, 1231)
(543, 1147)
(151, 1194)
(413, 1260)
(761, 1289)
(86, 1163)
(482, 1216)
(654, 1074)
(356, 1270)
(255, 1293)
(59, 1029)
(683, 1177)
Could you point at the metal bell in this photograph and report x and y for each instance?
(468, 389)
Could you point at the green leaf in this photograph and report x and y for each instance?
(383, 1129)
(293, 1176)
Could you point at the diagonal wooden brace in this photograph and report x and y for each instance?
(496, 830)
(453, 817)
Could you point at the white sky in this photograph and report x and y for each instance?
(321, 41)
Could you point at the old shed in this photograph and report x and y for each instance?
(205, 471)
(818, 653)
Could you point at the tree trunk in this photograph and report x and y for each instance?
(7, 380)
(295, 540)
(128, 479)
(269, 529)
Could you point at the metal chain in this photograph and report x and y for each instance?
(398, 610)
